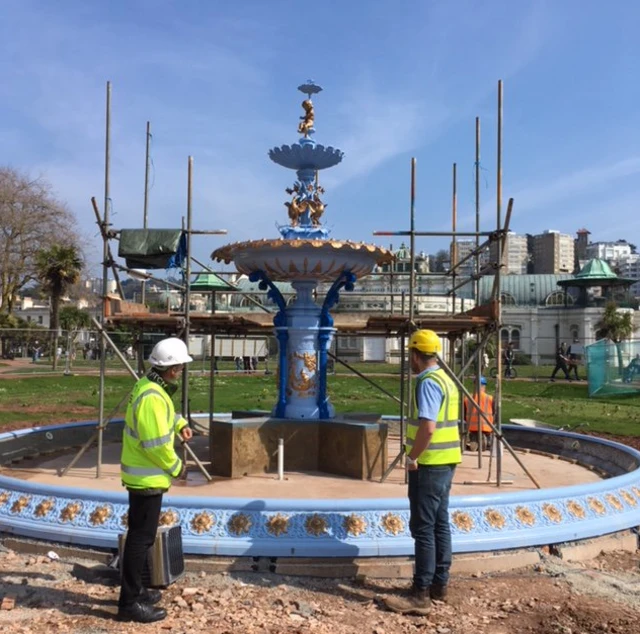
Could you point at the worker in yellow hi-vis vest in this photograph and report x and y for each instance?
(432, 446)
(148, 463)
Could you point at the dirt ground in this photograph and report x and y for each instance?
(552, 598)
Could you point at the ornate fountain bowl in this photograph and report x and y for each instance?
(306, 156)
(303, 260)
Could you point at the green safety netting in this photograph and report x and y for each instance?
(153, 248)
(613, 368)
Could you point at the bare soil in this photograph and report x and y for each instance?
(552, 598)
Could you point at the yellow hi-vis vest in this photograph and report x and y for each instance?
(444, 448)
(149, 459)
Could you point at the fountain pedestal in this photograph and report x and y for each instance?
(345, 447)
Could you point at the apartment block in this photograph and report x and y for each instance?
(553, 253)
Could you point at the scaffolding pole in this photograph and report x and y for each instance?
(105, 273)
(498, 293)
(454, 242)
(187, 287)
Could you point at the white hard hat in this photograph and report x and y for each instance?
(168, 352)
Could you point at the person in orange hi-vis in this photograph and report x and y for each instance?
(472, 417)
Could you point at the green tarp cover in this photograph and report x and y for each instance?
(152, 248)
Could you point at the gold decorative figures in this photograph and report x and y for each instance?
(306, 123)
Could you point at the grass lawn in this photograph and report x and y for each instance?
(59, 398)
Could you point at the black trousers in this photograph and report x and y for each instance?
(560, 365)
(144, 516)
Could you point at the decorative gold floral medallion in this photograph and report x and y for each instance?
(614, 501)
(124, 519)
(69, 512)
(628, 498)
(597, 506)
(463, 521)
(354, 524)
(552, 512)
(4, 498)
(576, 509)
(278, 524)
(525, 516)
(392, 523)
(44, 507)
(169, 518)
(202, 522)
(20, 504)
(100, 515)
(316, 525)
(495, 518)
(239, 524)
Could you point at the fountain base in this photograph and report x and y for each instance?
(354, 447)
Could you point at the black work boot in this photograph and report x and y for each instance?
(141, 613)
(416, 602)
(150, 596)
(438, 592)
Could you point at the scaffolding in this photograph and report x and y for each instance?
(482, 321)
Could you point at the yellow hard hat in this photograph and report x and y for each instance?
(425, 341)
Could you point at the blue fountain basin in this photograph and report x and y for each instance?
(306, 156)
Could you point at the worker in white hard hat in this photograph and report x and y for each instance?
(148, 463)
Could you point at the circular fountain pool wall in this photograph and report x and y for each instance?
(327, 527)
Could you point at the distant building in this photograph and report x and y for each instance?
(516, 255)
(611, 252)
(553, 253)
(580, 246)
(464, 248)
(629, 266)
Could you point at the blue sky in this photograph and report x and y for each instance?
(218, 81)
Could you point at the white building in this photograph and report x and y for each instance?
(629, 266)
(611, 252)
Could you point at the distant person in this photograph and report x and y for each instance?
(254, 364)
(508, 357)
(485, 361)
(238, 362)
(246, 364)
(573, 355)
(473, 419)
(632, 369)
(148, 463)
(561, 362)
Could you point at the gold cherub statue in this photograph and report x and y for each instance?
(307, 120)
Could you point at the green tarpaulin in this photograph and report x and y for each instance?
(153, 248)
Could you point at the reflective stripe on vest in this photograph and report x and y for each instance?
(444, 447)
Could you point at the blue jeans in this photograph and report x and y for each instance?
(429, 488)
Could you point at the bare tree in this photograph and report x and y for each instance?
(31, 218)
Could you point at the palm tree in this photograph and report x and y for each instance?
(58, 267)
(615, 326)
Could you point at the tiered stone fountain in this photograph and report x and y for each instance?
(304, 255)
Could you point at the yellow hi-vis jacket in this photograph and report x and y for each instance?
(444, 448)
(149, 459)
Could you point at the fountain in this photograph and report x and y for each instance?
(591, 486)
(304, 256)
